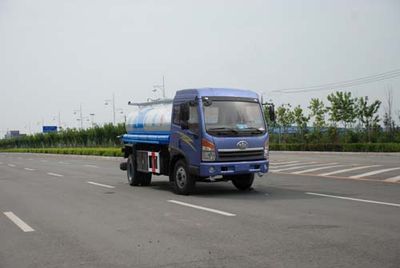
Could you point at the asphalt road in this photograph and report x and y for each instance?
(312, 210)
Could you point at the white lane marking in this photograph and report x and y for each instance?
(20, 223)
(299, 167)
(102, 185)
(202, 208)
(55, 174)
(1, 163)
(30, 159)
(379, 171)
(92, 166)
(11, 165)
(283, 163)
(315, 169)
(44, 161)
(355, 199)
(393, 179)
(29, 169)
(347, 170)
(62, 162)
(293, 165)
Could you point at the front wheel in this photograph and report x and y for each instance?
(184, 183)
(243, 182)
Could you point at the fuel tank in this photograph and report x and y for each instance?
(150, 119)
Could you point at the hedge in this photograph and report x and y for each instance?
(111, 151)
(344, 147)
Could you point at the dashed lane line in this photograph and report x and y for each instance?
(29, 169)
(283, 163)
(316, 169)
(355, 199)
(347, 170)
(55, 174)
(17, 221)
(11, 165)
(299, 167)
(101, 185)
(296, 164)
(91, 166)
(393, 179)
(379, 171)
(203, 208)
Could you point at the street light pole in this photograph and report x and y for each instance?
(80, 115)
(106, 102)
(113, 100)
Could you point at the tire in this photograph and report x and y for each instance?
(146, 178)
(243, 182)
(183, 182)
(134, 178)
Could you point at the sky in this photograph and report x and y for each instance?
(56, 56)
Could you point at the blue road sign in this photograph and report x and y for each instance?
(48, 129)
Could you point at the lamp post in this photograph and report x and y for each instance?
(92, 119)
(162, 87)
(106, 102)
(80, 115)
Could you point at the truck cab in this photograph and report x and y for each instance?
(215, 134)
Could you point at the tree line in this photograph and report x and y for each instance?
(98, 136)
(344, 119)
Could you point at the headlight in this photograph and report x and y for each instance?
(207, 150)
(266, 149)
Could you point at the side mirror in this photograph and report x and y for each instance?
(271, 112)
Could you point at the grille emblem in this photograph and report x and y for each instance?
(242, 145)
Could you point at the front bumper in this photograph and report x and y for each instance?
(209, 169)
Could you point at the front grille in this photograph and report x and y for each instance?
(235, 155)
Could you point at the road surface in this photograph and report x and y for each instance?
(312, 210)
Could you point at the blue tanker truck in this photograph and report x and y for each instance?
(207, 134)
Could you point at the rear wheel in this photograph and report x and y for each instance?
(243, 182)
(132, 173)
(184, 183)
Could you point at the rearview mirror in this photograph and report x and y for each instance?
(271, 112)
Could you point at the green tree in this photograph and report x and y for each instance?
(284, 118)
(343, 108)
(367, 114)
(301, 120)
(317, 112)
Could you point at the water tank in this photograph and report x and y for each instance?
(150, 119)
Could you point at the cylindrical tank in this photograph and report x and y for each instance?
(150, 119)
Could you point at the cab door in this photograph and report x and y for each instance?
(189, 140)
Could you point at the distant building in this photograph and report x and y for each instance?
(12, 134)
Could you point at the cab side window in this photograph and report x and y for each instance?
(193, 122)
(176, 113)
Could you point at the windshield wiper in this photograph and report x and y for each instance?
(223, 130)
(253, 130)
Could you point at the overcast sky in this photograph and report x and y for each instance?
(56, 55)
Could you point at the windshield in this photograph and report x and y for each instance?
(233, 118)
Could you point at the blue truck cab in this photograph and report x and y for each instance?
(213, 134)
